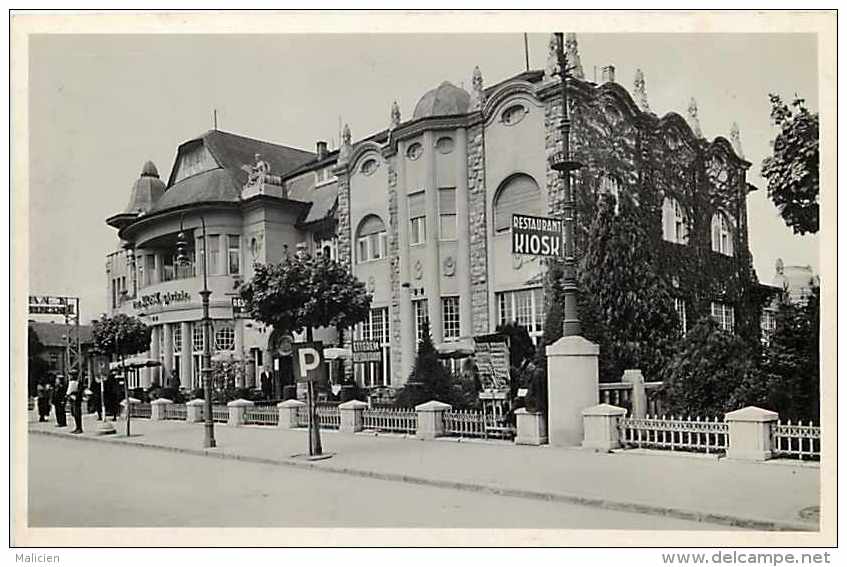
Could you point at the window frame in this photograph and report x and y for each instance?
(451, 324)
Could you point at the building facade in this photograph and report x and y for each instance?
(421, 213)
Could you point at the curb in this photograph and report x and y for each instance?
(617, 505)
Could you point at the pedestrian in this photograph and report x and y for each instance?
(265, 381)
(111, 393)
(60, 390)
(95, 400)
(43, 392)
(75, 396)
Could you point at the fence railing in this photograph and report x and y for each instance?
(395, 420)
(140, 410)
(474, 423)
(654, 398)
(617, 394)
(796, 440)
(176, 411)
(220, 414)
(675, 434)
(329, 416)
(261, 415)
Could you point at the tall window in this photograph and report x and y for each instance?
(372, 239)
(234, 254)
(176, 335)
(721, 234)
(447, 213)
(421, 316)
(197, 355)
(524, 307)
(674, 223)
(149, 269)
(518, 195)
(450, 317)
(417, 218)
(724, 315)
(375, 328)
(679, 305)
(225, 338)
(214, 254)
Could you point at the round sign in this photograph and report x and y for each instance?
(286, 347)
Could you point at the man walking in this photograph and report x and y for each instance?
(59, 393)
(75, 397)
(43, 391)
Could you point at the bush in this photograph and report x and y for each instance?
(429, 379)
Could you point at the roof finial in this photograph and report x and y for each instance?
(395, 115)
(640, 91)
(572, 51)
(346, 145)
(735, 138)
(551, 70)
(477, 92)
(693, 120)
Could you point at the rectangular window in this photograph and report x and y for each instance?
(234, 254)
(421, 316)
(524, 307)
(679, 305)
(149, 269)
(768, 323)
(417, 218)
(374, 328)
(214, 254)
(447, 213)
(450, 318)
(724, 315)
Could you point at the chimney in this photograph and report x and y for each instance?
(608, 73)
(321, 147)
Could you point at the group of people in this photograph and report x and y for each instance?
(54, 391)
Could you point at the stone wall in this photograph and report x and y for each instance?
(478, 229)
(394, 310)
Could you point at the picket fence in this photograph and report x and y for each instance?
(261, 415)
(675, 434)
(797, 440)
(391, 420)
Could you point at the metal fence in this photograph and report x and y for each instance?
(140, 410)
(396, 420)
(797, 440)
(176, 411)
(220, 414)
(262, 415)
(675, 434)
(329, 416)
(474, 423)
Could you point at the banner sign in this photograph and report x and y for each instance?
(309, 362)
(491, 353)
(367, 351)
(160, 299)
(537, 236)
(51, 305)
(239, 308)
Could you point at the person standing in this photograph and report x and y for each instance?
(95, 400)
(75, 397)
(59, 393)
(43, 391)
(111, 393)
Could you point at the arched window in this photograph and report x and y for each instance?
(371, 239)
(518, 195)
(721, 234)
(225, 338)
(674, 221)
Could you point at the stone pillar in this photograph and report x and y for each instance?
(168, 354)
(155, 373)
(132, 401)
(352, 416)
(750, 437)
(432, 269)
(288, 413)
(194, 411)
(478, 215)
(601, 427)
(237, 411)
(572, 386)
(638, 393)
(463, 267)
(431, 419)
(157, 409)
(185, 361)
(532, 427)
(407, 319)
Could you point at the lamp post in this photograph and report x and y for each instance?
(206, 369)
(564, 165)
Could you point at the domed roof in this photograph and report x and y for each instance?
(446, 99)
(146, 190)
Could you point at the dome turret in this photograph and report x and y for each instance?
(146, 190)
(444, 100)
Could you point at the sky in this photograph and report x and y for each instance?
(101, 105)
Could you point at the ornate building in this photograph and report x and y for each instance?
(421, 212)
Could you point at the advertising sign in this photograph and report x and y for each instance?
(537, 236)
(491, 353)
(51, 305)
(160, 299)
(309, 362)
(239, 308)
(367, 351)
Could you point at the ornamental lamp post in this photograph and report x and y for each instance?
(206, 369)
(565, 165)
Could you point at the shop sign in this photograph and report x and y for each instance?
(367, 351)
(491, 354)
(309, 362)
(537, 236)
(239, 308)
(161, 299)
(51, 305)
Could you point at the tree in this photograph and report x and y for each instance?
(705, 372)
(793, 170)
(429, 379)
(37, 367)
(625, 304)
(306, 292)
(121, 335)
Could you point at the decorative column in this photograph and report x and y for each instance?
(463, 267)
(407, 319)
(432, 274)
(154, 374)
(185, 361)
(750, 436)
(168, 354)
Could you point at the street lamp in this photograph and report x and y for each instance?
(206, 369)
(564, 165)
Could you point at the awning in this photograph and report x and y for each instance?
(461, 348)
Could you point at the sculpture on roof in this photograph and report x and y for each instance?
(572, 52)
(780, 267)
(346, 145)
(256, 173)
(551, 71)
(640, 91)
(693, 120)
(477, 90)
(735, 138)
(395, 115)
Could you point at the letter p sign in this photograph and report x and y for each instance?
(309, 362)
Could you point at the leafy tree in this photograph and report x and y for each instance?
(37, 366)
(625, 304)
(306, 292)
(120, 335)
(706, 370)
(793, 170)
(429, 379)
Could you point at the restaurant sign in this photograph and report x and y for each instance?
(537, 236)
(161, 299)
(51, 305)
(367, 351)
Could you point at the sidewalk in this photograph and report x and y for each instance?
(762, 496)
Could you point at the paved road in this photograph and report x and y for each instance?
(123, 486)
